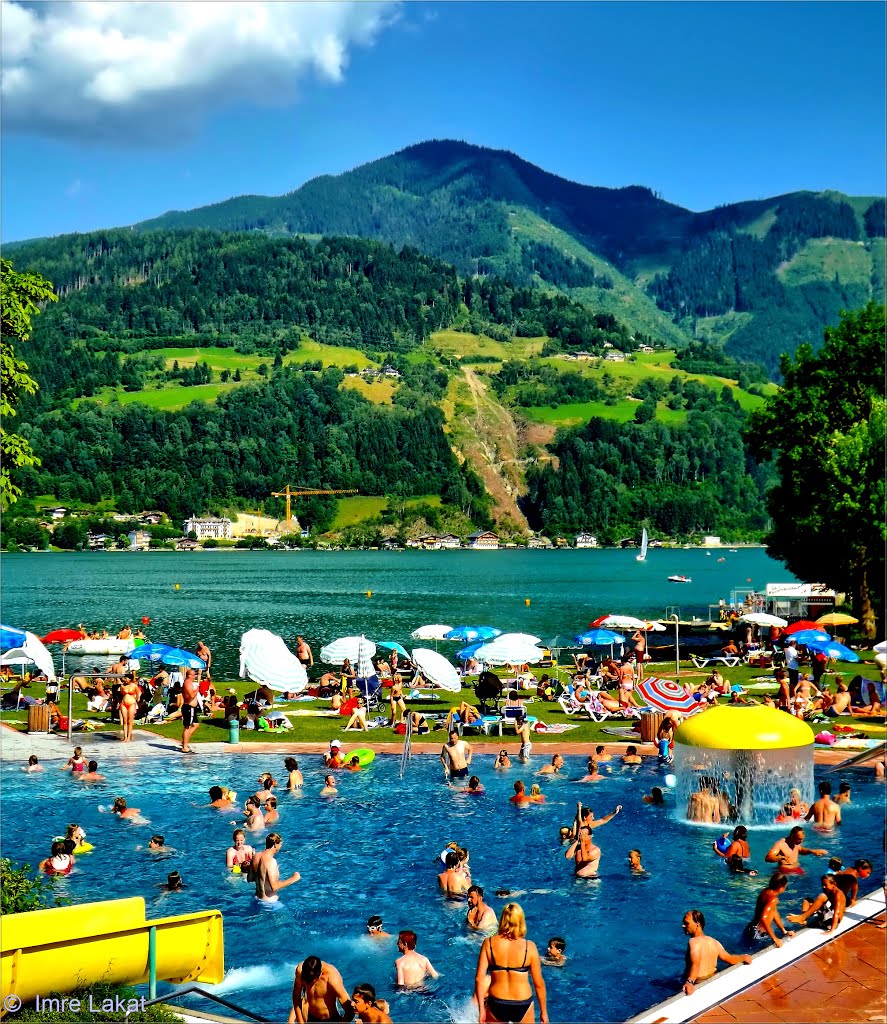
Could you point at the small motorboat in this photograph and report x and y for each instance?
(680, 579)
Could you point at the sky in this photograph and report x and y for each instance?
(116, 112)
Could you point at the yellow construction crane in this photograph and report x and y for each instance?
(301, 492)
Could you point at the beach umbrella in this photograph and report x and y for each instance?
(666, 695)
(518, 638)
(655, 627)
(832, 649)
(11, 637)
(436, 669)
(469, 652)
(508, 652)
(345, 647)
(433, 632)
(365, 651)
(166, 654)
(880, 648)
(266, 659)
(600, 638)
(390, 645)
(764, 619)
(31, 651)
(473, 633)
(808, 636)
(618, 622)
(836, 619)
(560, 642)
(797, 627)
(62, 636)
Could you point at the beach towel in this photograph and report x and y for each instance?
(556, 727)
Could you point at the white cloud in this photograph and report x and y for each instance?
(133, 73)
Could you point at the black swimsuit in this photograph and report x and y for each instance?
(509, 1010)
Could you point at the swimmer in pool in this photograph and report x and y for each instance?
(255, 820)
(536, 795)
(502, 760)
(786, 851)
(367, 1007)
(316, 988)
(760, 928)
(92, 773)
(329, 787)
(654, 797)
(264, 871)
(412, 968)
(554, 954)
(128, 813)
(634, 863)
(452, 881)
(75, 764)
(218, 798)
(600, 754)
(271, 815)
(157, 844)
(557, 762)
(474, 786)
(295, 780)
(33, 764)
(738, 852)
(239, 855)
(592, 772)
(583, 850)
(520, 796)
(353, 764)
(703, 952)
(826, 813)
(481, 917)
(376, 928)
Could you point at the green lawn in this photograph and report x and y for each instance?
(355, 510)
(323, 729)
(826, 258)
(217, 358)
(168, 398)
(330, 355)
(458, 344)
(574, 414)
(379, 392)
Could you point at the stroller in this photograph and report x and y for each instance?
(369, 688)
(488, 690)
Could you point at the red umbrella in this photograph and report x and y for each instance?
(666, 695)
(62, 636)
(796, 627)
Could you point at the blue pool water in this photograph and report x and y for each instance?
(374, 850)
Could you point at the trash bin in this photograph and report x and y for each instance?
(38, 718)
(233, 730)
(650, 723)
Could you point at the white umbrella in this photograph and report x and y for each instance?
(514, 638)
(346, 647)
(880, 648)
(31, 652)
(437, 669)
(365, 651)
(655, 627)
(621, 622)
(433, 632)
(265, 658)
(498, 653)
(764, 619)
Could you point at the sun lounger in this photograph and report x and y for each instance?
(730, 660)
(486, 725)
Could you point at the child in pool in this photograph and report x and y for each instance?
(554, 955)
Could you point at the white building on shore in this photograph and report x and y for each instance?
(586, 540)
(208, 529)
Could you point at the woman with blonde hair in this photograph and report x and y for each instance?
(511, 962)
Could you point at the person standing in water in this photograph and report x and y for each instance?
(513, 965)
(264, 871)
(583, 849)
(455, 756)
(480, 916)
(703, 952)
(412, 968)
(317, 986)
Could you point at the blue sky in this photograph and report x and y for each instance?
(106, 122)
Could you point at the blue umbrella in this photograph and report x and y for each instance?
(469, 651)
(832, 649)
(168, 655)
(600, 638)
(472, 633)
(389, 645)
(11, 637)
(808, 636)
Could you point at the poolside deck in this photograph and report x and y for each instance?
(843, 981)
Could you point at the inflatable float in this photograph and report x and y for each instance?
(110, 645)
(364, 756)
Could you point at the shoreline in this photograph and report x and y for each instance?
(337, 549)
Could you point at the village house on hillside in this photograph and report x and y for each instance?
(139, 540)
(484, 539)
(586, 540)
(539, 542)
(208, 529)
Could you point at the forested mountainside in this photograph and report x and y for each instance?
(455, 366)
(723, 274)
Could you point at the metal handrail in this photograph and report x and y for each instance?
(196, 990)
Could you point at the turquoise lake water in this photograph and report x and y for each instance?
(322, 595)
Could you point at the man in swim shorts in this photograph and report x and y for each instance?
(703, 952)
(190, 694)
(265, 872)
(786, 851)
(412, 968)
(760, 928)
(455, 756)
(480, 916)
(826, 911)
(825, 812)
(316, 987)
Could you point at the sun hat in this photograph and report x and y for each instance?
(335, 743)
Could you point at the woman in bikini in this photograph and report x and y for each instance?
(76, 764)
(130, 692)
(507, 965)
(395, 697)
(295, 780)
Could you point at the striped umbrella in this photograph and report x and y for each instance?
(666, 695)
(365, 651)
(345, 647)
(265, 658)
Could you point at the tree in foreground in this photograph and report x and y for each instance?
(20, 298)
(826, 429)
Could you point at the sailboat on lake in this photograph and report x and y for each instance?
(643, 555)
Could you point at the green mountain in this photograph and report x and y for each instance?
(670, 272)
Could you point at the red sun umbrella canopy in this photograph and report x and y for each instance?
(666, 695)
(796, 627)
(62, 636)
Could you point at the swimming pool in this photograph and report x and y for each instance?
(374, 850)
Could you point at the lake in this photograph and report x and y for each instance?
(322, 595)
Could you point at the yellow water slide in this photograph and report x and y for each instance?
(68, 948)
